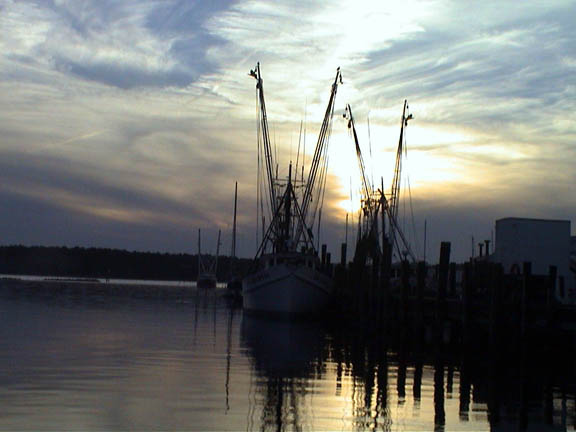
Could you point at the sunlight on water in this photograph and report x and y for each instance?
(75, 364)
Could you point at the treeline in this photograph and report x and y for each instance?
(107, 263)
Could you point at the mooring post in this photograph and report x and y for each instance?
(439, 412)
(323, 259)
(526, 277)
(443, 270)
(496, 286)
(420, 287)
(550, 293)
(452, 281)
(442, 285)
(405, 287)
(385, 273)
(376, 292)
(343, 250)
(466, 291)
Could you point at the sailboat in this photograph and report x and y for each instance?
(287, 277)
(235, 282)
(207, 266)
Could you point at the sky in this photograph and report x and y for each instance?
(125, 124)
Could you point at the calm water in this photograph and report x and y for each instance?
(77, 364)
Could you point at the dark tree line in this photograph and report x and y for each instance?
(107, 263)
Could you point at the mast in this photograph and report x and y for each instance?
(233, 249)
(200, 267)
(367, 187)
(368, 244)
(395, 193)
(268, 155)
(217, 253)
(318, 154)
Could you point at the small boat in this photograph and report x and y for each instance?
(287, 277)
(207, 267)
(234, 285)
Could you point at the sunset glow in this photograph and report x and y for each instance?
(149, 107)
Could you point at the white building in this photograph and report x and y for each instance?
(544, 243)
(573, 258)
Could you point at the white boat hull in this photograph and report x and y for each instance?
(287, 289)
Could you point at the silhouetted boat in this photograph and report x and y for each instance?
(235, 282)
(207, 267)
(286, 276)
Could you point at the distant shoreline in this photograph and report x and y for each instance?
(91, 264)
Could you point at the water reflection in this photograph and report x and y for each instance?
(204, 365)
(288, 357)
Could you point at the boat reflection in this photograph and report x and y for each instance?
(283, 348)
(288, 357)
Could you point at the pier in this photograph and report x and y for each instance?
(454, 299)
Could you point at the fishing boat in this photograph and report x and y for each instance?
(287, 277)
(207, 266)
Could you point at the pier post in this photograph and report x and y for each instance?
(495, 291)
(439, 412)
(323, 259)
(420, 287)
(343, 251)
(385, 272)
(404, 289)
(465, 385)
(443, 270)
(465, 303)
(452, 281)
(376, 294)
(526, 277)
(442, 283)
(550, 292)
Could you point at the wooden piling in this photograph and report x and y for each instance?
(452, 281)
(494, 293)
(343, 251)
(526, 277)
(466, 297)
(550, 294)
(442, 285)
(420, 287)
(443, 271)
(404, 288)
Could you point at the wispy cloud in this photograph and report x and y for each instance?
(137, 111)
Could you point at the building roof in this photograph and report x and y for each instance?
(512, 218)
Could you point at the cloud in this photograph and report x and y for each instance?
(125, 45)
(140, 114)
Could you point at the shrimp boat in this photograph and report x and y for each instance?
(287, 276)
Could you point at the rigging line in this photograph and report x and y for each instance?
(414, 234)
(318, 231)
(304, 141)
(322, 141)
(324, 178)
(298, 152)
(371, 158)
(403, 193)
(321, 187)
(257, 171)
(351, 208)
